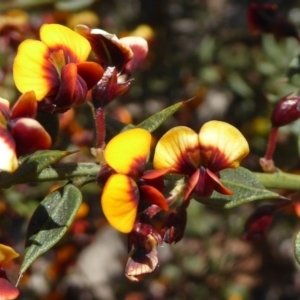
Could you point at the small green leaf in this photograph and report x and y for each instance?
(50, 221)
(245, 186)
(153, 122)
(31, 165)
(297, 247)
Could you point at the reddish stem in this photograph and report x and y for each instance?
(271, 143)
(100, 127)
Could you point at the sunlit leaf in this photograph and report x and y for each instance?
(50, 221)
(156, 120)
(245, 186)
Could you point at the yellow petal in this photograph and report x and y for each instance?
(76, 47)
(6, 254)
(8, 158)
(32, 70)
(128, 151)
(119, 202)
(221, 145)
(178, 149)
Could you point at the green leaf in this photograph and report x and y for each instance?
(153, 122)
(245, 186)
(297, 247)
(50, 222)
(31, 165)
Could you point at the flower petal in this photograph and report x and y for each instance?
(30, 136)
(128, 151)
(7, 290)
(119, 202)
(76, 48)
(8, 161)
(72, 90)
(33, 71)
(107, 47)
(6, 254)
(221, 146)
(4, 112)
(25, 107)
(139, 47)
(91, 72)
(151, 195)
(178, 149)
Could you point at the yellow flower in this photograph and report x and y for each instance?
(217, 146)
(56, 68)
(127, 154)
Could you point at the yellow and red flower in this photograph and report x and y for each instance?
(20, 133)
(118, 57)
(56, 68)
(126, 53)
(127, 155)
(217, 146)
(7, 289)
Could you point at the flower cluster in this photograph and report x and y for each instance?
(55, 74)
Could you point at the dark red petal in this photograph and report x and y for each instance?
(153, 196)
(108, 88)
(72, 90)
(108, 51)
(25, 107)
(29, 136)
(7, 290)
(91, 72)
(217, 184)
(192, 182)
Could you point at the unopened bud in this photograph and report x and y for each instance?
(258, 223)
(108, 88)
(286, 111)
(174, 226)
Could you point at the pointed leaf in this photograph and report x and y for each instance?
(153, 122)
(31, 165)
(245, 186)
(297, 247)
(50, 222)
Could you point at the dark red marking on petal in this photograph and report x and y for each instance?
(153, 196)
(186, 163)
(69, 55)
(25, 107)
(213, 159)
(50, 74)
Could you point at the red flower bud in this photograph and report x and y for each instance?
(174, 226)
(258, 223)
(108, 88)
(286, 111)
